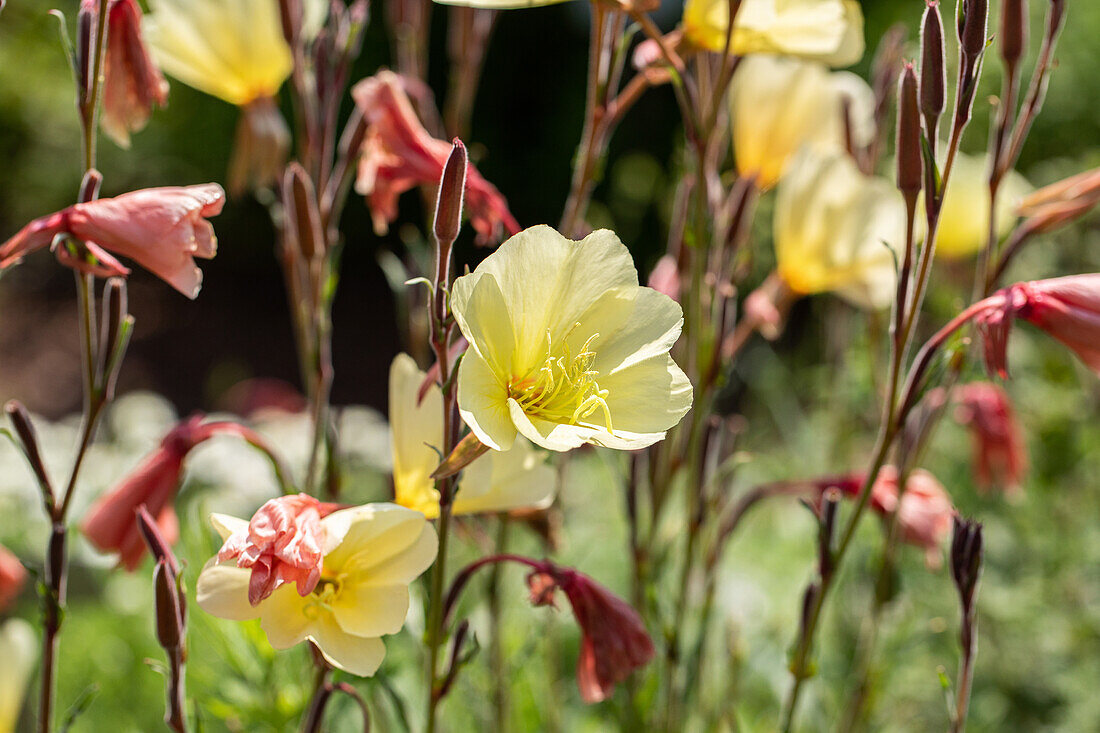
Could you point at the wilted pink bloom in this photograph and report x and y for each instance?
(283, 543)
(398, 154)
(614, 640)
(1067, 308)
(999, 453)
(162, 229)
(111, 524)
(665, 277)
(12, 577)
(133, 84)
(924, 516)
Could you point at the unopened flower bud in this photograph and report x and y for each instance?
(115, 313)
(933, 65)
(290, 16)
(966, 558)
(85, 50)
(169, 612)
(1013, 34)
(452, 186)
(908, 142)
(303, 220)
(972, 26)
(24, 428)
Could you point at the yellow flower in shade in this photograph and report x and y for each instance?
(19, 650)
(565, 346)
(779, 104)
(497, 482)
(964, 219)
(830, 31)
(230, 49)
(835, 229)
(371, 554)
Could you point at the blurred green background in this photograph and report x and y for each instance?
(809, 397)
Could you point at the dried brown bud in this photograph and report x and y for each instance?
(24, 428)
(908, 142)
(89, 186)
(169, 611)
(85, 50)
(452, 186)
(303, 220)
(933, 65)
(1013, 31)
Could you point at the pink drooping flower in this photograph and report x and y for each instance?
(398, 154)
(13, 576)
(162, 229)
(133, 84)
(1067, 308)
(111, 524)
(924, 514)
(1000, 456)
(614, 639)
(283, 543)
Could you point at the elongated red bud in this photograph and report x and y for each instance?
(28, 436)
(85, 50)
(169, 612)
(303, 219)
(452, 187)
(972, 26)
(933, 64)
(1013, 34)
(908, 142)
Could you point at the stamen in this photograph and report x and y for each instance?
(564, 387)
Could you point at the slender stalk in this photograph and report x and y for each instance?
(500, 681)
(56, 570)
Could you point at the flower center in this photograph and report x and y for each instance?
(323, 596)
(564, 388)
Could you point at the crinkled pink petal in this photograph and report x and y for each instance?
(282, 544)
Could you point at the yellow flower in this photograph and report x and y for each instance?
(565, 347)
(964, 219)
(779, 104)
(19, 650)
(371, 555)
(231, 49)
(835, 229)
(830, 31)
(497, 482)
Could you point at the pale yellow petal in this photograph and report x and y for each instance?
(648, 397)
(779, 105)
(371, 610)
(19, 650)
(483, 402)
(416, 432)
(404, 567)
(551, 435)
(286, 617)
(504, 480)
(226, 525)
(484, 316)
(356, 654)
(377, 532)
(232, 49)
(652, 325)
(964, 218)
(222, 591)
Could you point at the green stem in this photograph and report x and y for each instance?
(500, 680)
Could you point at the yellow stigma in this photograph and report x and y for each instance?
(564, 388)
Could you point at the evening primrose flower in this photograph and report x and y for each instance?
(830, 31)
(964, 218)
(370, 555)
(230, 49)
(778, 105)
(565, 347)
(512, 479)
(838, 230)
